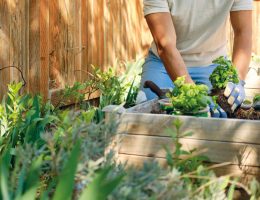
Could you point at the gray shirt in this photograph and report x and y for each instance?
(200, 26)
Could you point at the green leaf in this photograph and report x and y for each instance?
(66, 180)
(101, 187)
(224, 183)
(29, 194)
(187, 134)
(169, 157)
(4, 175)
(170, 132)
(32, 178)
(231, 190)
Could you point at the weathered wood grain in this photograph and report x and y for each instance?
(216, 151)
(58, 99)
(84, 41)
(43, 77)
(34, 46)
(62, 36)
(5, 44)
(143, 136)
(231, 130)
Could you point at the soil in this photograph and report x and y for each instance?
(158, 110)
(240, 194)
(239, 113)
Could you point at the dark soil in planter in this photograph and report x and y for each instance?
(239, 113)
(155, 111)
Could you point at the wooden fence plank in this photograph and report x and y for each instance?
(25, 27)
(90, 30)
(5, 44)
(44, 48)
(58, 44)
(79, 33)
(84, 40)
(34, 46)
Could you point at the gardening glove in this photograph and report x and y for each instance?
(235, 94)
(216, 111)
(141, 97)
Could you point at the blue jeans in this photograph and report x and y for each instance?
(154, 70)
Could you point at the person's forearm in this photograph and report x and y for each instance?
(242, 53)
(174, 63)
(164, 35)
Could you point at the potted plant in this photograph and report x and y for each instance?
(189, 99)
(225, 72)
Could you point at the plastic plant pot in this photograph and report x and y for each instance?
(202, 113)
(256, 102)
(247, 104)
(256, 105)
(166, 105)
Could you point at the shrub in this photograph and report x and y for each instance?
(66, 159)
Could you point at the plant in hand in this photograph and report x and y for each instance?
(225, 72)
(188, 98)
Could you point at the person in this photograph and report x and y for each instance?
(188, 35)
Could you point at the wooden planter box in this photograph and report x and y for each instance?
(142, 137)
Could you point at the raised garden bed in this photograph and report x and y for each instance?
(143, 136)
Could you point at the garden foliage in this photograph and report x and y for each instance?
(188, 98)
(225, 72)
(48, 153)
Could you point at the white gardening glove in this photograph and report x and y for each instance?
(141, 97)
(235, 94)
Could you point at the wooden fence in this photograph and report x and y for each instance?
(54, 42)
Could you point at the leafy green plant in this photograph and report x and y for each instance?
(188, 98)
(185, 177)
(247, 102)
(102, 185)
(131, 95)
(225, 72)
(180, 159)
(23, 118)
(115, 87)
(67, 158)
(20, 180)
(256, 98)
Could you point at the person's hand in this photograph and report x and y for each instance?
(216, 111)
(189, 80)
(235, 94)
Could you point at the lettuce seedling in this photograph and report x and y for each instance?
(188, 98)
(225, 72)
